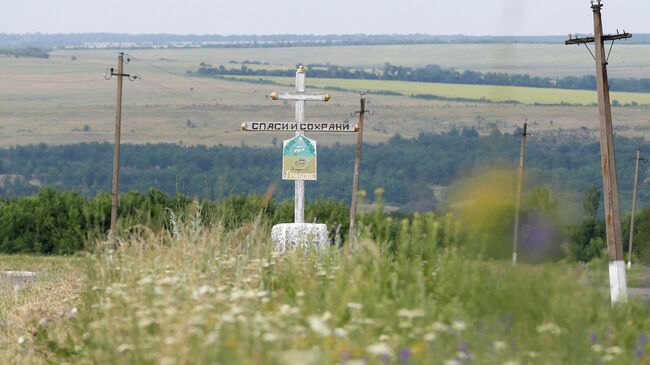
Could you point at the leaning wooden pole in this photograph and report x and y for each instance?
(357, 166)
(116, 148)
(617, 279)
(636, 182)
(520, 182)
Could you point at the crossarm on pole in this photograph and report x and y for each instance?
(606, 38)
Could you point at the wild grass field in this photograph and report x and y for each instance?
(204, 295)
(65, 99)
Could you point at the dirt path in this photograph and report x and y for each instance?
(643, 293)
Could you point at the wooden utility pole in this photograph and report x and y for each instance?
(617, 279)
(638, 160)
(520, 182)
(116, 147)
(118, 131)
(357, 165)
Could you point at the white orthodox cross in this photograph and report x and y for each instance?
(300, 98)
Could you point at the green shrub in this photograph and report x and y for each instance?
(53, 222)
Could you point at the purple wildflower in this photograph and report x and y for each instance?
(506, 321)
(639, 349)
(463, 348)
(345, 356)
(404, 356)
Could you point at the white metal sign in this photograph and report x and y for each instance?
(299, 159)
(316, 126)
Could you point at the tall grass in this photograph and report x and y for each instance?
(196, 295)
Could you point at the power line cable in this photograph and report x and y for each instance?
(187, 78)
(174, 92)
(52, 81)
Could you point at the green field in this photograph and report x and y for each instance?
(53, 100)
(535, 59)
(524, 95)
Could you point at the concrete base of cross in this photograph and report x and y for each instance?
(306, 235)
(17, 277)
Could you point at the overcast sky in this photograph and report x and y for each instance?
(472, 17)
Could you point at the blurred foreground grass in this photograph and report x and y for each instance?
(199, 295)
(52, 296)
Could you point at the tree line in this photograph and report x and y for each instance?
(408, 169)
(30, 52)
(271, 40)
(435, 74)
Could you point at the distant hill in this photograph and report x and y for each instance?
(112, 40)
